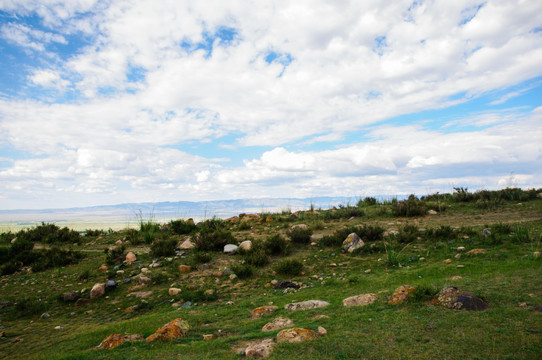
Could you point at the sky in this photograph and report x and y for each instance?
(108, 102)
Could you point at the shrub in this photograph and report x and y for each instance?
(444, 232)
(56, 257)
(407, 234)
(289, 267)
(92, 233)
(10, 268)
(163, 247)
(331, 240)
(209, 240)
(159, 278)
(85, 275)
(134, 237)
(49, 233)
(256, 256)
(182, 227)
(243, 271)
(198, 295)
(27, 307)
(6, 237)
(410, 207)
(276, 245)
(201, 257)
(299, 235)
(522, 233)
(115, 256)
(244, 226)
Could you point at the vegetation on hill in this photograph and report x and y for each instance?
(486, 243)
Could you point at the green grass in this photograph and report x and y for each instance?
(505, 277)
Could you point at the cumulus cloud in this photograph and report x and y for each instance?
(155, 80)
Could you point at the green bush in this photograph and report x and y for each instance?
(289, 267)
(134, 237)
(198, 295)
(55, 257)
(163, 247)
(115, 256)
(257, 256)
(243, 271)
(27, 307)
(407, 234)
(444, 232)
(6, 237)
(201, 257)
(408, 208)
(182, 227)
(49, 233)
(276, 245)
(299, 235)
(10, 268)
(331, 241)
(213, 240)
(93, 233)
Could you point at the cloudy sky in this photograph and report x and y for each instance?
(106, 102)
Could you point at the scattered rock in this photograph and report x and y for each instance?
(130, 257)
(477, 251)
(249, 217)
(486, 232)
(141, 294)
(58, 327)
(187, 244)
(111, 284)
(352, 242)
(262, 310)
(45, 316)
(260, 349)
(522, 305)
(230, 249)
(461, 248)
(208, 337)
(81, 302)
(432, 212)
(305, 305)
(97, 291)
(452, 298)
(114, 340)
(448, 261)
(300, 226)
(319, 317)
(296, 335)
(174, 291)
(174, 329)
(322, 331)
(400, 295)
(456, 277)
(144, 270)
(144, 279)
(457, 256)
(277, 324)
(285, 285)
(233, 219)
(70, 296)
(102, 268)
(184, 269)
(360, 300)
(246, 245)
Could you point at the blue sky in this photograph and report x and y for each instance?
(129, 101)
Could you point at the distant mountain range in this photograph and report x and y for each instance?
(123, 215)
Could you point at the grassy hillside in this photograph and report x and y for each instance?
(404, 244)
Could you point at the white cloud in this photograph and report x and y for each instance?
(143, 91)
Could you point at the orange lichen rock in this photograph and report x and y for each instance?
(262, 310)
(400, 295)
(174, 329)
(296, 335)
(114, 340)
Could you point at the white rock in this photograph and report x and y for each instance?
(246, 245)
(230, 249)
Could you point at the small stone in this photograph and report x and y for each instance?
(300, 226)
(102, 268)
(111, 284)
(421, 259)
(286, 285)
(460, 266)
(401, 294)
(246, 245)
(448, 261)
(322, 331)
(70, 296)
(262, 310)
(45, 316)
(368, 271)
(144, 279)
(141, 294)
(118, 242)
(522, 305)
(187, 244)
(457, 256)
(120, 272)
(456, 277)
(208, 337)
(97, 291)
(477, 251)
(58, 327)
(184, 269)
(81, 302)
(114, 340)
(432, 212)
(461, 248)
(130, 257)
(230, 249)
(174, 291)
(144, 270)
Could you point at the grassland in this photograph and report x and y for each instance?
(508, 277)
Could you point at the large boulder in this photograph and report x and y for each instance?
(452, 298)
(401, 294)
(360, 300)
(305, 305)
(187, 244)
(114, 340)
(279, 323)
(97, 291)
(352, 243)
(261, 311)
(174, 329)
